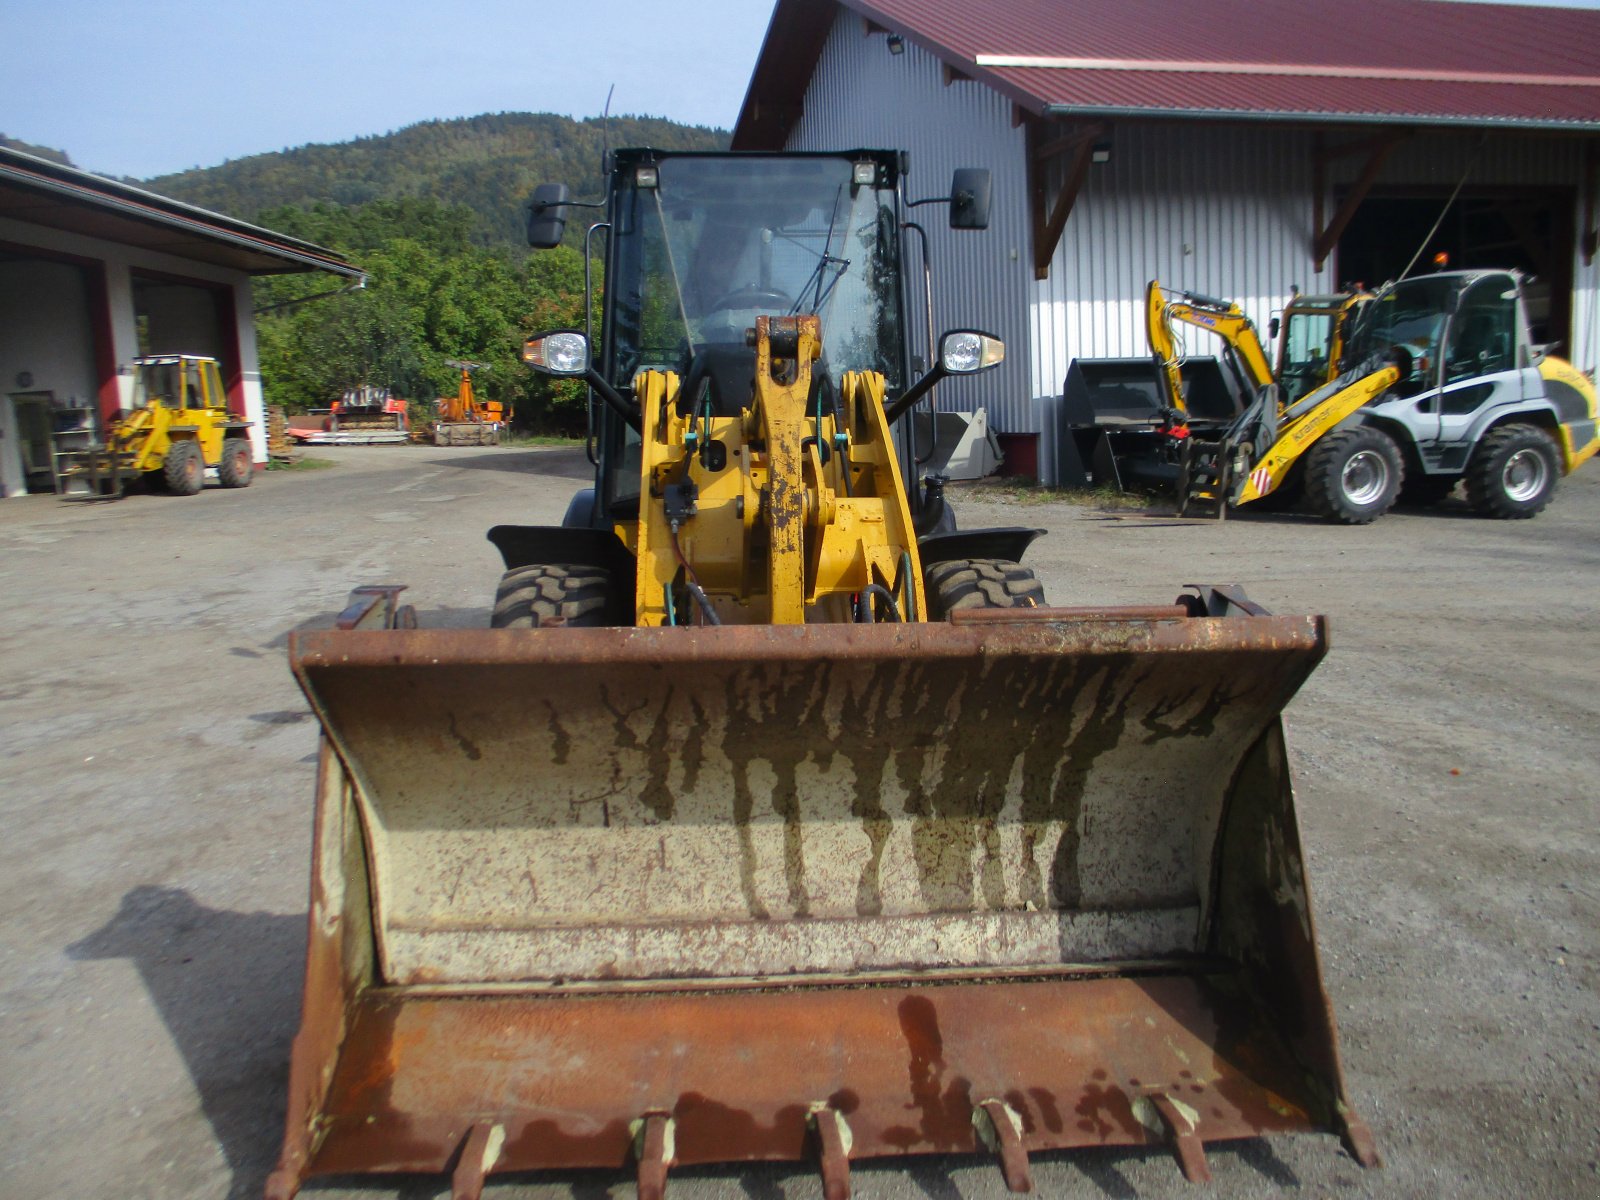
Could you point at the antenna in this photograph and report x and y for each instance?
(605, 136)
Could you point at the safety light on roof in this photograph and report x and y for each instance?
(966, 351)
(866, 173)
(646, 177)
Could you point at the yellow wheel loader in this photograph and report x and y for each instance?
(1441, 385)
(775, 818)
(179, 425)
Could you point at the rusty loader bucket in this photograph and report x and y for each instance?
(634, 898)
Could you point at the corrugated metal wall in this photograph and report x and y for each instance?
(861, 95)
(1229, 212)
(1222, 210)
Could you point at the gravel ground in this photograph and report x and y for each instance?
(156, 784)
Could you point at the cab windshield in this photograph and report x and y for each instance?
(718, 242)
(1408, 317)
(1305, 351)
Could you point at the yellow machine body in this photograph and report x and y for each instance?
(783, 854)
(807, 512)
(463, 419)
(178, 403)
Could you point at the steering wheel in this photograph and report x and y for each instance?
(767, 299)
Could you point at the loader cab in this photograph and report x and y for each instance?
(703, 244)
(177, 381)
(1464, 336)
(1313, 330)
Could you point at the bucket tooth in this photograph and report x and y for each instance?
(1178, 1122)
(655, 1148)
(1000, 1129)
(834, 1140)
(282, 1184)
(1357, 1138)
(480, 1150)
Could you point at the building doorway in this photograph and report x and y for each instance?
(1531, 230)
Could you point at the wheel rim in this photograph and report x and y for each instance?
(1524, 475)
(1365, 477)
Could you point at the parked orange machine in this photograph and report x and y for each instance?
(464, 420)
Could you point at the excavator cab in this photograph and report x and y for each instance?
(1313, 331)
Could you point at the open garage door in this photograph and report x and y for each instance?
(1529, 229)
(56, 368)
(178, 316)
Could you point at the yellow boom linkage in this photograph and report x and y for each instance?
(845, 528)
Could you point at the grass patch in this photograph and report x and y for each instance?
(299, 463)
(540, 439)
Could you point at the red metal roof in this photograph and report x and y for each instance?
(1417, 61)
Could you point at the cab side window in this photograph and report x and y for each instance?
(1483, 333)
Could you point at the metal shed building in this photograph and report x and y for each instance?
(1256, 147)
(94, 272)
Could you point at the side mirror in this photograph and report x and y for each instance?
(970, 190)
(562, 352)
(1273, 327)
(967, 351)
(548, 220)
(961, 352)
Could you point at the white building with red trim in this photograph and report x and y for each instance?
(94, 272)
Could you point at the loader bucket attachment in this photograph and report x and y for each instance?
(631, 898)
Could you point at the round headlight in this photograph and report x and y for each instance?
(562, 353)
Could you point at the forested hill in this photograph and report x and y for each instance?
(489, 164)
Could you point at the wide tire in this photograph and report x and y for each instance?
(1513, 473)
(237, 466)
(182, 469)
(980, 583)
(1353, 475)
(529, 597)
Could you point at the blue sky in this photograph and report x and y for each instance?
(148, 87)
(144, 87)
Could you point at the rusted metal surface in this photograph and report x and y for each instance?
(632, 803)
(568, 1077)
(693, 895)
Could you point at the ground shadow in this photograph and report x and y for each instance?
(227, 987)
(560, 463)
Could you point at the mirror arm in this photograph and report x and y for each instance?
(915, 392)
(613, 398)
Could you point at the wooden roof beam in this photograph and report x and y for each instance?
(1048, 226)
(1377, 150)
